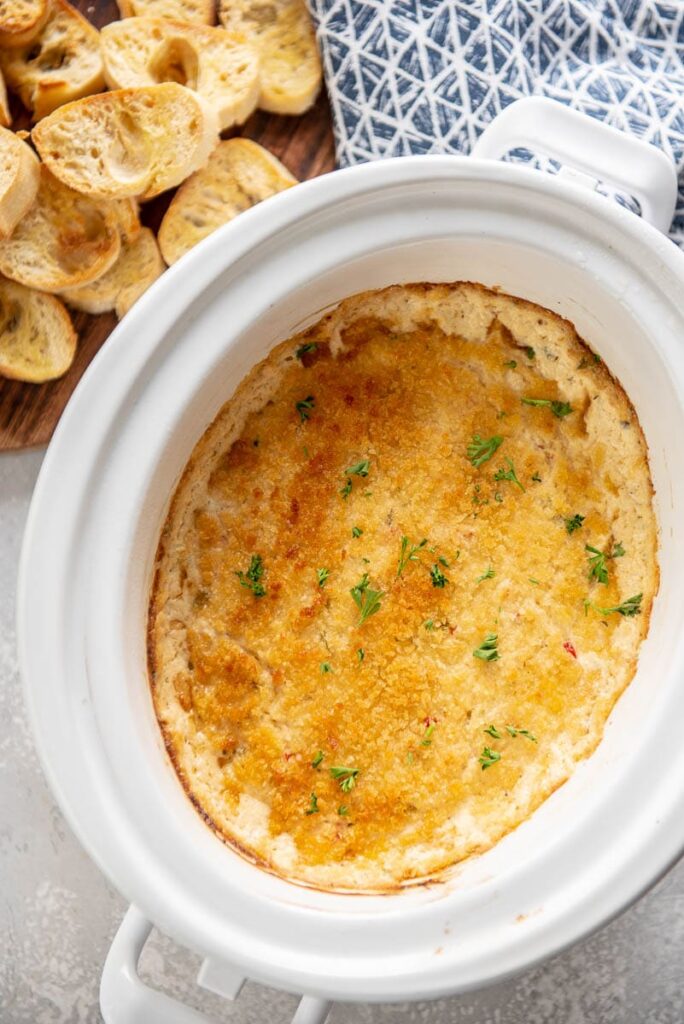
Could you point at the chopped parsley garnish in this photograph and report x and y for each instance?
(529, 352)
(359, 468)
(345, 776)
(533, 581)
(366, 599)
(437, 576)
(317, 759)
(325, 667)
(628, 608)
(488, 757)
(488, 574)
(573, 523)
(409, 553)
(304, 407)
(347, 489)
(492, 731)
(343, 810)
(356, 531)
(429, 625)
(512, 731)
(313, 805)
(252, 578)
(537, 479)
(508, 474)
(427, 738)
(559, 409)
(410, 758)
(511, 364)
(310, 346)
(487, 651)
(322, 576)
(360, 654)
(597, 561)
(481, 450)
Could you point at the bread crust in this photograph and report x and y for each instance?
(402, 378)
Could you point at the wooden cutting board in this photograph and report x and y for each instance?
(29, 412)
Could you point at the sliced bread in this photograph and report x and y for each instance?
(282, 32)
(5, 115)
(200, 12)
(65, 239)
(19, 178)
(138, 266)
(132, 142)
(37, 339)
(222, 68)
(239, 174)
(21, 20)
(62, 63)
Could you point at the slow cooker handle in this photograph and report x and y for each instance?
(126, 999)
(589, 150)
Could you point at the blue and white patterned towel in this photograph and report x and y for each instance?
(426, 76)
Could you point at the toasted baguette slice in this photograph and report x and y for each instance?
(132, 142)
(21, 21)
(5, 115)
(239, 174)
(62, 63)
(37, 340)
(222, 68)
(282, 32)
(138, 266)
(64, 240)
(19, 178)
(200, 12)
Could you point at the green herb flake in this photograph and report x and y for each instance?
(360, 654)
(304, 408)
(322, 576)
(313, 805)
(325, 667)
(437, 576)
(251, 579)
(533, 581)
(529, 352)
(357, 531)
(598, 569)
(343, 810)
(573, 523)
(487, 651)
(492, 731)
(409, 553)
(508, 474)
(410, 758)
(537, 479)
(358, 469)
(347, 489)
(498, 496)
(310, 346)
(345, 776)
(628, 608)
(511, 364)
(317, 759)
(481, 450)
(427, 738)
(512, 731)
(429, 625)
(488, 757)
(488, 574)
(366, 599)
(559, 409)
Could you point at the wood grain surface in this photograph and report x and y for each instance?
(29, 412)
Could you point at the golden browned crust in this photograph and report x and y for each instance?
(249, 689)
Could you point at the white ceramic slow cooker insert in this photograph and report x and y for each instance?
(100, 502)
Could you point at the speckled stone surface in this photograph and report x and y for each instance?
(58, 915)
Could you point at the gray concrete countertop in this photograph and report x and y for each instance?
(58, 914)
